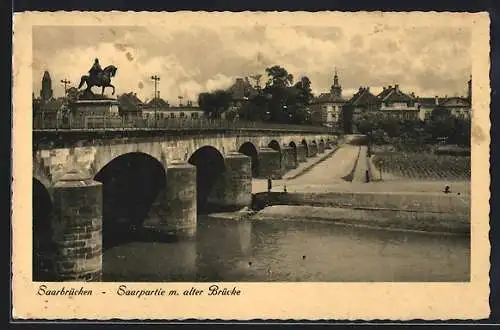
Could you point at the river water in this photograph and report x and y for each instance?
(257, 251)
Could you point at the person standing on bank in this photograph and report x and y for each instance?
(269, 184)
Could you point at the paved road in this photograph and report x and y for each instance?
(332, 169)
(327, 176)
(361, 166)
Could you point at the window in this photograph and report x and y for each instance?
(182, 115)
(194, 115)
(172, 115)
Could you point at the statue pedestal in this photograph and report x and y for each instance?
(96, 113)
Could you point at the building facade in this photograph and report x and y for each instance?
(396, 104)
(327, 107)
(164, 111)
(362, 103)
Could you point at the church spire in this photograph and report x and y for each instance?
(336, 89)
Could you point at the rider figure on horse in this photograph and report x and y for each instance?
(95, 70)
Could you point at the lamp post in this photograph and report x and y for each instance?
(156, 80)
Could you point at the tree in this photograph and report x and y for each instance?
(440, 113)
(391, 126)
(305, 95)
(365, 126)
(214, 104)
(278, 77)
(345, 119)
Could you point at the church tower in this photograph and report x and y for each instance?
(46, 92)
(336, 89)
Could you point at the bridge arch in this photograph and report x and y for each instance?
(249, 149)
(306, 146)
(274, 145)
(131, 184)
(40, 174)
(42, 232)
(210, 165)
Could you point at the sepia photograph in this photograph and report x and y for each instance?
(253, 152)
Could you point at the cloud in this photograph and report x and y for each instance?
(425, 60)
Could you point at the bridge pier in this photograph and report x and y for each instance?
(174, 211)
(269, 163)
(233, 190)
(313, 150)
(288, 161)
(76, 229)
(301, 153)
(321, 147)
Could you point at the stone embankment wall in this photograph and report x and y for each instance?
(397, 201)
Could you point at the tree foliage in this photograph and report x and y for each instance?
(214, 104)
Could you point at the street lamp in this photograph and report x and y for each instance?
(156, 80)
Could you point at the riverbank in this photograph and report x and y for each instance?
(421, 221)
(336, 190)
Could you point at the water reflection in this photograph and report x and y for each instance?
(225, 250)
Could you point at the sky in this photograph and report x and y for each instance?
(428, 60)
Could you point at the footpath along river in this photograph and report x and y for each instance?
(228, 250)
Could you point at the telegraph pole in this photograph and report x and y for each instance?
(65, 82)
(156, 80)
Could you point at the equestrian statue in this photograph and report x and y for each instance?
(99, 77)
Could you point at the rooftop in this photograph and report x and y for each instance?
(363, 97)
(394, 94)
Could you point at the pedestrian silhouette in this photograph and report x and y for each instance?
(269, 184)
(447, 190)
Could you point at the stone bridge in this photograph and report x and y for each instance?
(88, 184)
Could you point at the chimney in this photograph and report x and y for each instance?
(390, 86)
(360, 88)
(436, 99)
(384, 88)
(368, 88)
(396, 87)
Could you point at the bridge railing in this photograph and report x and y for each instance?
(120, 123)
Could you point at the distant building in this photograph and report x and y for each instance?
(427, 105)
(164, 111)
(46, 92)
(456, 106)
(130, 106)
(49, 113)
(396, 104)
(47, 110)
(327, 106)
(361, 103)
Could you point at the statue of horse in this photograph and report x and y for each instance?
(103, 79)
